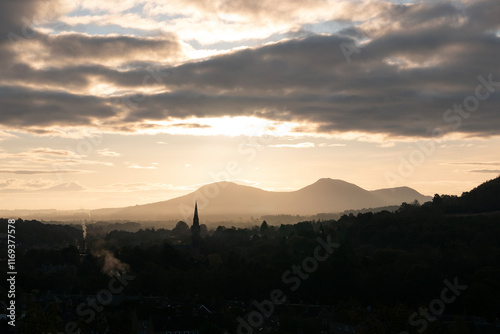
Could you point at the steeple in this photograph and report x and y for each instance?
(196, 221)
(195, 229)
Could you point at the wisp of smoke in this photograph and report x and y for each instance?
(84, 228)
(111, 265)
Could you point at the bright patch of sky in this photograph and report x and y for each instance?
(93, 29)
(328, 27)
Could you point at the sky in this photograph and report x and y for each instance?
(124, 102)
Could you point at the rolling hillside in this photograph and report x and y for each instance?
(227, 200)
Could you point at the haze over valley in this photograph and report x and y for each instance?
(229, 201)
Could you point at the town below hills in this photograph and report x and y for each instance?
(386, 266)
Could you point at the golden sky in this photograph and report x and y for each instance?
(115, 103)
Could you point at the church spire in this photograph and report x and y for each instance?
(195, 229)
(195, 218)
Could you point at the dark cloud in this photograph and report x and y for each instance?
(73, 61)
(416, 64)
(312, 77)
(23, 107)
(16, 16)
(78, 47)
(14, 24)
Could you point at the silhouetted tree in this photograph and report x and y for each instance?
(263, 228)
(181, 228)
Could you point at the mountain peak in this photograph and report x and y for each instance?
(327, 180)
(328, 184)
(226, 185)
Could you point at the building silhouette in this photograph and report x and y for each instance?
(195, 229)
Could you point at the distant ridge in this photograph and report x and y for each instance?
(228, 200)
(323, 198)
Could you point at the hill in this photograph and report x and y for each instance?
(228, 200)
(484, 198)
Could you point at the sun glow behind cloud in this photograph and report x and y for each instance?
(227, 126)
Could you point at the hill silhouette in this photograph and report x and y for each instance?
(228, 200)
(484, 198)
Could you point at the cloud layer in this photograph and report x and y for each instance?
(395, 71)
